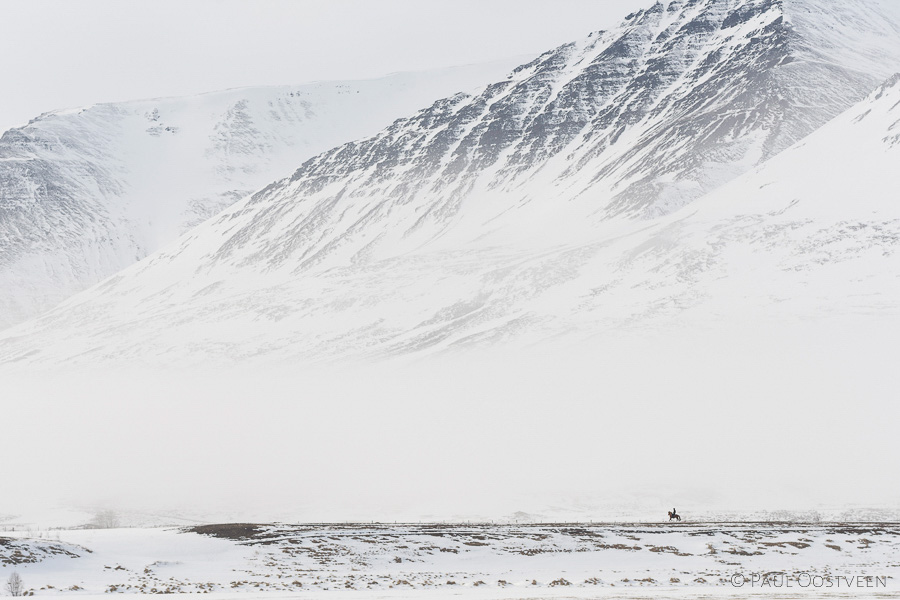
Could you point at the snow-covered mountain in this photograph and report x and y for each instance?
(87, 192)
(545, 204)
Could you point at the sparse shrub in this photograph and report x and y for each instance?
(14, 585)
(105, 519)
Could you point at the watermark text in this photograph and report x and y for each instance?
(777, 579)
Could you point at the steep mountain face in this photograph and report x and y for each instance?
(457, 227)
(85, 193)
(634, 122)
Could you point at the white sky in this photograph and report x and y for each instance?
(64, 53)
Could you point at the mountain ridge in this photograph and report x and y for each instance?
(350, 259)
(403, 170)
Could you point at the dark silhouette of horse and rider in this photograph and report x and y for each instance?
(674, 516)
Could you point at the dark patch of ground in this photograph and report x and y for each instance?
(240, 532)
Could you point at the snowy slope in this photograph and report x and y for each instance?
(480, 560)
(510, 215)
(87, 192)
(812, 234)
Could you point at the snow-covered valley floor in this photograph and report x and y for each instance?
(689, 560)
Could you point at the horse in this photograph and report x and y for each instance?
(673, 516)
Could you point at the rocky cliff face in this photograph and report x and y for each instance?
(633, 122)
